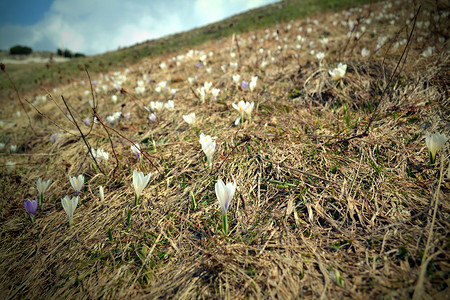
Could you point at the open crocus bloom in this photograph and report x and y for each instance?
(434, 143)
(339, 72)
(190, 119)
(77, 183)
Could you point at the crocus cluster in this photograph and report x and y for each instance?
(31, 206)
(244, 108)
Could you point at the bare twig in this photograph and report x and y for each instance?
(82, 135)
(395, 74)
(2, 66)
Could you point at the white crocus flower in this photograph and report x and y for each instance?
(320, 55)
(202, 93)
(69, 206)
(42, 186)
(77, 183)
(139, 182)
(434, 143)
(215, 92)
(10, 165)
(13, 148)
(170, 105)
(225, 193)
(237, 79)
(136, 149)
(101, 193)
(365, 52)
(253, 82)
(190, 119)
(207, 86)
(208, 147)
(339, 72)
(428, 52)
(243, 108)
(100, 154)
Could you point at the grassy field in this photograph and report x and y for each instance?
(335, 196)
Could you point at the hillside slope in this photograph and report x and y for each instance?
(335, 196)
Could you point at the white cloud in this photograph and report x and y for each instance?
(93, 27)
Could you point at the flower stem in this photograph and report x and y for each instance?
(41, 200)
(225, 223)
(136, 199)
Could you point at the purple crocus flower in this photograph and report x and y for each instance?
(31, 208)
(54, 137)
(199, 64)
(87, 121)
(244, 84)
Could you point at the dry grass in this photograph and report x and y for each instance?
(312, 217)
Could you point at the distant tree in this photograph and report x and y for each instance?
(79, 55)
(24, 50)
(68, 53)
(59, 52)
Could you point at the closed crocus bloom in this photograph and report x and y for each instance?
(69, 206)
(42, 186)
(434, 143)
(253, 83)
(136, 149)
(208, 146)
(77, 183)
(237, 78)
(101, 193)
(31, 208)
(139, 182)
(225, 193)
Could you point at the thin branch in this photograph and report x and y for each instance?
(2, 66)
(51, 121)
(82, 135)
(395, 74)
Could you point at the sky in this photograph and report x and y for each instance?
(97, 26)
